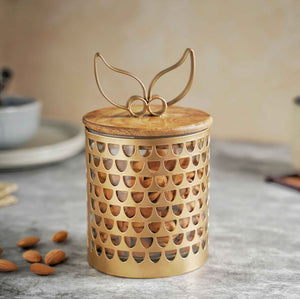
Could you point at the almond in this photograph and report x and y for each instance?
(1, 250)
(7, 266)
(54, 257)
(32, 256)
(41, 269)
(60, 236)
(28, 242)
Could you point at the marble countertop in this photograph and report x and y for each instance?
(254, 236)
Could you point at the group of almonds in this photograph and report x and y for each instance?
(53, 257)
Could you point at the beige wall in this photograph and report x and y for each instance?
(248, 56)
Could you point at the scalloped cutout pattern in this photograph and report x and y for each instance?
(151, 196)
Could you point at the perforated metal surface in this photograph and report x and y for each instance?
(147, 204)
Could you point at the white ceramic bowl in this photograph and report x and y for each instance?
(19, 120)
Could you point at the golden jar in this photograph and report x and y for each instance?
(147, 191)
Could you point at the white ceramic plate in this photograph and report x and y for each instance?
(54, 141)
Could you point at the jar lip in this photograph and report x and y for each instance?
(142, 137)
(297, 100)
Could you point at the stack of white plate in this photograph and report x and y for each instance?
(55, 141)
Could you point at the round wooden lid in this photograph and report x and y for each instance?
(176, 121)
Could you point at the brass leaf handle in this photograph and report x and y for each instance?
(148, 98)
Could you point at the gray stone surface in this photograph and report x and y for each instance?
(253, 244)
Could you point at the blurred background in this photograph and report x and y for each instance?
(247, 52)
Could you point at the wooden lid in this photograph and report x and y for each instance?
(176, 121)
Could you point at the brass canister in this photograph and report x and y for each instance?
(147, 191)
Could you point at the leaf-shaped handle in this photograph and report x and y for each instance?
(97, 55)
(189, 83)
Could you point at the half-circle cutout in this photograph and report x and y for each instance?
(177, 239)
(200, 143)
(171, 254)
(115, 210)
(153, 166)
(147, 241)
(154, 196)
(162, 211)
(109, 223)
(128, 150)
(102, 177)
(177, 209)
(116, 240)
(170, 225)
(138, 226)
(103, 237)
(109, 253)
(145, 150)
(170, 195)
(98, 219)
(123, 255)
(154, 256)
(196, 189)
(91, 144)
(96, 160)
(190, 146)
(163, 241)
(113, 148)
(122, 225)
(102, 207)
(107, 163)
(162, 150)
(121, 165)
(190, 206)
(137, 166)
(177, 148)
(137, 196)
(196, 160)
(195, 219)
(130, 241)
(146, 181)
(190, 235)
(138, 256)
(121, 195)
(114, 179)
(190, 176)
(154, 227)
(129, 211)
(177, 178)
(200, 173)
(170, 165)
(129, 181)
(184, 192)
(196, 247)
(184, 252)
(162, 180)
(98, 249)
(184, 162)
(92, 174)
(94, 233)
(184, 222)
(97, 190)
(108, 193)
(100, 147)
(146, 211)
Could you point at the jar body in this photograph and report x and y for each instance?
(147, 201)
(295, 140)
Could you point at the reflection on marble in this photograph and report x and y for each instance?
(253, 244)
